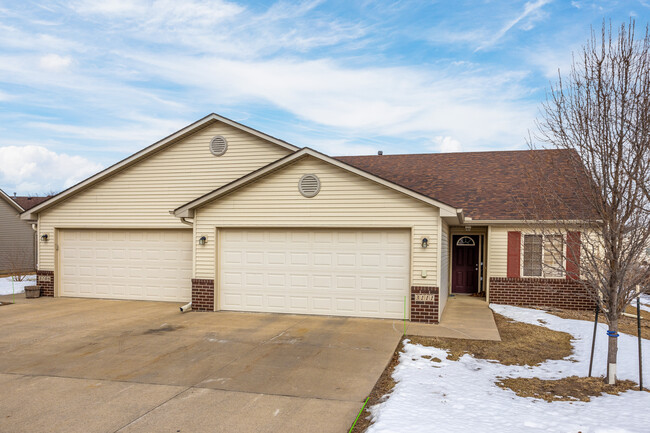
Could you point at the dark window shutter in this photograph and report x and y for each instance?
(514, 254)
(573, 255)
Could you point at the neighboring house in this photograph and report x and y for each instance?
(234, 219)
(17, 238)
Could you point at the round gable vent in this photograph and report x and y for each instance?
(309, 185)
(218, 145)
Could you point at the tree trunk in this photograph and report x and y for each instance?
(612, 350)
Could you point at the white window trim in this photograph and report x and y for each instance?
(521, 257)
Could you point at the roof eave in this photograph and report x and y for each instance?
(11, 201)
(178, 135)
(183, 211)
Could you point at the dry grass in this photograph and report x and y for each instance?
(571, 388)
(626, 325)
(521, 344)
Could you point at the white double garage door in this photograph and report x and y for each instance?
(342, 272)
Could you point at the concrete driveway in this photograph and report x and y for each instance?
(78, 365)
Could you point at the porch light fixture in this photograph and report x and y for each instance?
(202, 240)
(44, 237)
(425, 242)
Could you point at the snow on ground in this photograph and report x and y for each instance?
(457, 396)
(18, 286)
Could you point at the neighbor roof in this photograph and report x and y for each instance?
(29, 202)
(486, 185)
(12, 203)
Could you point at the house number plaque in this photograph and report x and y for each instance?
(425, 298)
(44, 278)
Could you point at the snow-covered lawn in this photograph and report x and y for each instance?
(461, 396)
(18, 286)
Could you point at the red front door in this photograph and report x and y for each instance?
(464, 265)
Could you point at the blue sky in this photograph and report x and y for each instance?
(85, 83)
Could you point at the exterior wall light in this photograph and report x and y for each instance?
(425, 242)
(44, 237)
(203, 240)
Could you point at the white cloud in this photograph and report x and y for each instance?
(54, 62)
(446, 144)
(473, 107)
(35, 169)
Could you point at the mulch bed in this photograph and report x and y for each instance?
(572, 388)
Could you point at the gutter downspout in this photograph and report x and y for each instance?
(188, 306)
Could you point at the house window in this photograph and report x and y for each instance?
(465, 241)
(543, 256)
(532, 255)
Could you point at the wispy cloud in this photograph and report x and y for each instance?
(532, 12)
(100, 79)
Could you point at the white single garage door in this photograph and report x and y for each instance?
(362, 273)
(151, 265)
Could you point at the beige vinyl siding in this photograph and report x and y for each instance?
(345, 200)
(444, 266)
(497, 255)
(16, 240)
(142, 195)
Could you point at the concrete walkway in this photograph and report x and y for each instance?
(466, 317)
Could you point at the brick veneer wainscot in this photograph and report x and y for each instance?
(540, 292)
(202, 295)
(424, 311)
(45, 282)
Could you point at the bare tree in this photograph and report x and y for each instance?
(18, 261)
(597, 118)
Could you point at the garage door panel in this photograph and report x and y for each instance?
(333, 272)
(151, 265)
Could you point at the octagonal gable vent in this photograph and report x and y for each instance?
(309, 185)
(218, 145)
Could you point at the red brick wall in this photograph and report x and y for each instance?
(421, 310)
(45, 282)
(540, 292)
(202, 295)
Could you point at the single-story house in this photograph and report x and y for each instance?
(230, 218)
(17, 238)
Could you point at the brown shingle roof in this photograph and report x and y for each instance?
(486, 185)
(29, 202)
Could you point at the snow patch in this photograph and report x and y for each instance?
(462, 395)
(18, 286)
